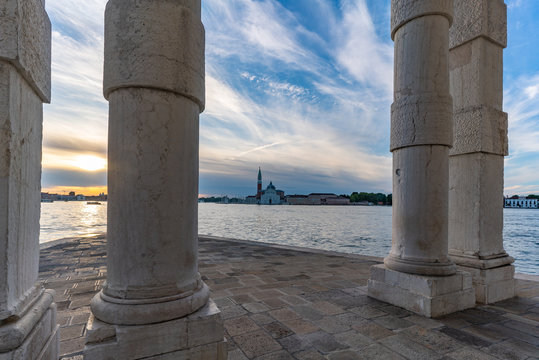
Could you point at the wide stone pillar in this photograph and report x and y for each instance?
(477, 39)
(418, 274)
(154, 303)
(28, 327)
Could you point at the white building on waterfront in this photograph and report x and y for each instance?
(521, 202)
(270, 196)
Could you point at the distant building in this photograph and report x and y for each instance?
(521, 202)
(297, 200)
(317, 199)
(270, 196)
(251, 200)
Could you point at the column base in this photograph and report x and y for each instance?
(492, 285)
(34, 335)
(196, 336)
(429, 296)
(493, 278)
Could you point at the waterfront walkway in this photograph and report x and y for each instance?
(288, 303)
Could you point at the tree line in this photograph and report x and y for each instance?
(375, 198)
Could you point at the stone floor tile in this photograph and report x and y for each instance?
(307, 312)
(522, 318)
(344, 355)
(392, 323)
(506, 330)
(324, 342)
(71, 332)
(256, 343)
(236, 355)
(300, 326)
(332, 324)
(484, 332)
(266, 294)
(501, 351)
(433, 340)
(255, 307)
(378, 352)
(293, 300)
(453, 321)
(531, 336)
(309, 354)
(518, 346)
(294, 343)
(277, 330)
(72, 346)
(470, 354)
(284, 314)
(76, 357)
(240, 325)
(367, 312)
(261, 318)
(408, 348)
(353, 339)
(223, 302)
(372, 330)
(326, 308)
(278, 355)
(80, 318)
(274, 303)
(396, 311)
(242, 299)
(424, 322)
(464, 337)
(232, 311)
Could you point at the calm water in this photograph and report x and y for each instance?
(352, 229)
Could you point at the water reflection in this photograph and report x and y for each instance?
(350, 229)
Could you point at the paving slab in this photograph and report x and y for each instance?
(281, 302)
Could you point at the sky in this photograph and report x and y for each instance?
(301, 88)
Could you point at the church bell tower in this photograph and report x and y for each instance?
(259, 185)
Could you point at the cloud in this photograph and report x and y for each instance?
(362, 54)
(60, 177)
(522, 105)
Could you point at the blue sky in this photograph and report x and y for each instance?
(301, 88)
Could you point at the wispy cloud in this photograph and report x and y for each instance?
(301, 88)
(522, 105)
(75, 123)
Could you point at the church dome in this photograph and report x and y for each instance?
(270, 186)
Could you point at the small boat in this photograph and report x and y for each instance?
(93, 203)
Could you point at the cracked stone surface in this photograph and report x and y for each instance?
(252, 283)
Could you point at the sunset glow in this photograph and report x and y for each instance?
(90, 163)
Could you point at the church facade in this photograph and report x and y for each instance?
(270, 196)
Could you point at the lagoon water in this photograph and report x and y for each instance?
(351, 229)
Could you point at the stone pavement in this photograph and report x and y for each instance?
(290, 303)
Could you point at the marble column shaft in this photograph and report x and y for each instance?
(418, 274)
(154, 82)
(421, 134)
(477, 40)
(28, 327)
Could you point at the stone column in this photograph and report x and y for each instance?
(418, 274)
(154, 303)
(477, 40)
(28, 327)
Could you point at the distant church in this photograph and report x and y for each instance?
(270, 196)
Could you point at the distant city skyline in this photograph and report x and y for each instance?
(301, 88)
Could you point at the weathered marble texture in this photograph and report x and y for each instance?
(154, 81)
(28, 327)
(418, 266)
(476, 165)
(421, 133)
